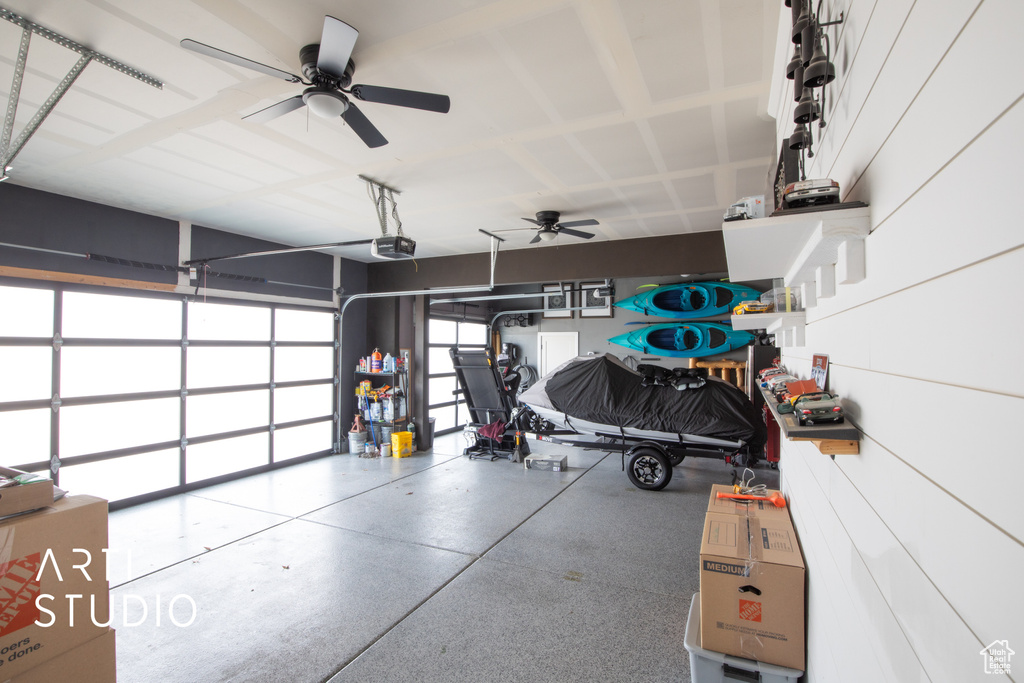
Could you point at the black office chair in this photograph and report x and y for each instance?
(491, 401)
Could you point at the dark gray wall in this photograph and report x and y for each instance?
(285, 273)
(32, 218)
(354, 339)
(653, 256)
(136, 246)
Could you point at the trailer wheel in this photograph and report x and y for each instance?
(649, 469)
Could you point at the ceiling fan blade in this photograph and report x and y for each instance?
(216, 53)
(513, 229)
(275, 110)
(576, 233)
(403, 98)
(535, 239)
(533, 221)
(362, 127)
(577, 224)
(336, 45)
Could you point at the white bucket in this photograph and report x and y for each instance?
(356, 441)
(385, 450)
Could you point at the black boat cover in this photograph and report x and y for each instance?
(602, 389)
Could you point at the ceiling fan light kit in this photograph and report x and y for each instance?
(327, 104)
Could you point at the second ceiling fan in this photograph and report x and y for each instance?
(548, 227)
(328, 68)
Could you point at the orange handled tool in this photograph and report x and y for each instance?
(775, 499)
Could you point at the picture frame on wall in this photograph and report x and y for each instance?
(557, 301)
(596, 306)
(819, 370)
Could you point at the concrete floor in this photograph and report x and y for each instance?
(428, 568)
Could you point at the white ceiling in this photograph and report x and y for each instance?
(648, 115)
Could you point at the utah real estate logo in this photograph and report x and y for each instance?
(997, 657)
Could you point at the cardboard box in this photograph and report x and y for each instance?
(40, 551)
(707, 666)
(752, 588)
(31, 496)
(552, 463)
(92, 662)
(744, 508)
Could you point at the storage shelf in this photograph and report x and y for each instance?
(398, 383)
(834, 439)
(812, 250)
(788, 328)
(795, 247)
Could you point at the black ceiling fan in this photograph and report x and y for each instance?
(328, 69)
(549, 228)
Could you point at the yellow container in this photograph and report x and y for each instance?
(401, 444)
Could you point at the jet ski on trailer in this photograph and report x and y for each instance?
(655, 420)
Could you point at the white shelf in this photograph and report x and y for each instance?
(788, 328)
(812, 250)
(798, 247)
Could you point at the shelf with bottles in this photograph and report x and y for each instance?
(381, 389)
(785, 318)
(383, 401)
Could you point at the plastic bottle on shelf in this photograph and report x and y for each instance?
(375, 361)
(389, 363)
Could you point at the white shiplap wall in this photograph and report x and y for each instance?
(914, 547)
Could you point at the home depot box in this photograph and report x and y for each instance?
(752, 589)
(53, 583)
(94, 661)
(744, 508)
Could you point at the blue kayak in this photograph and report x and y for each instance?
(690, 300)
(684, 340)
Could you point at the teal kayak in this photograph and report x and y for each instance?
(684, 340)
(690, 300)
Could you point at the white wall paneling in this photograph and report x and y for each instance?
(854, 627)
(825, 280)
(916, 539)
(850, 266)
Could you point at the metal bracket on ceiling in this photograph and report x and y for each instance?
(380, 195)
(8, 149)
